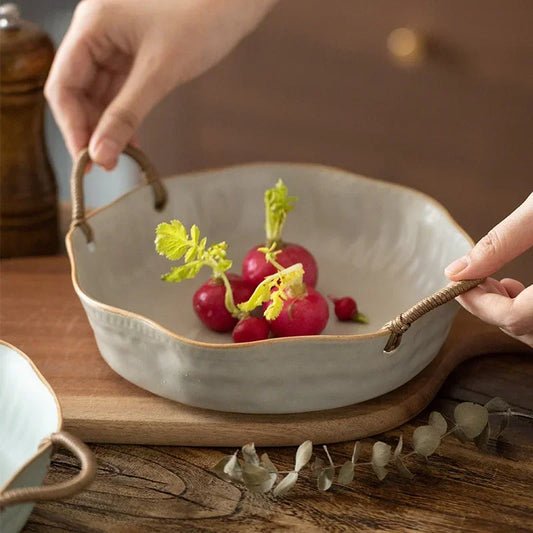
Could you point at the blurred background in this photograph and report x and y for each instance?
(436, 95)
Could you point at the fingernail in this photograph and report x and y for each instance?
(456, 267)
(105, 153)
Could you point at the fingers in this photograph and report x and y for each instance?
(72, 72)
(142, 89)
(513, 287)
(507, 240)
(513, 314)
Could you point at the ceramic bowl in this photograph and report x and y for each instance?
(383, 244)
(30, 427)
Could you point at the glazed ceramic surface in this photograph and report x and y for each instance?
(382, 244)
(29, 413)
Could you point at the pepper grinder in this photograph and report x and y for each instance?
(28, 190)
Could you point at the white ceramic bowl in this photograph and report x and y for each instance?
(30, 425)
(385, 245)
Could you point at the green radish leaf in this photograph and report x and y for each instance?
(281, 281)
(277, 205)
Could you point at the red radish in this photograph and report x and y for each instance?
(251, 329)
(306, 314)
(215, 302)
(209, 302)
(255, 266)
(346, 309)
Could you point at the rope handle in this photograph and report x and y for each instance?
(60, 490)
(76, 186)
(399, 325)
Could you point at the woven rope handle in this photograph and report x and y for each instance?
(76, 186)
(399, 325)
(61, 490)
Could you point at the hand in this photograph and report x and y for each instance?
(119, 58)
(506, 303)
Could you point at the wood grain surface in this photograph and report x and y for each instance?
(167, 489)
(41, 315)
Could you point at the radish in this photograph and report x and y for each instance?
(303, 314)
(250, 329)
(214, 301)
(290, 307)
(346, 309)
(255, 268)
(209, 302)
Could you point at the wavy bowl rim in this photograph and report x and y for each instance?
(48, 445)
(382, 332)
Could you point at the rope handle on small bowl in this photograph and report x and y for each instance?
(399, 325)
(76, 186)
(61, 490)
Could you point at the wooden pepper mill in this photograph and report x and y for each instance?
(28, 190)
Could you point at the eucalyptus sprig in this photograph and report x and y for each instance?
(277, 205)
(174, 242)
(471, 423)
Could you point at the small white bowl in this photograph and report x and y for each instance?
(30, 426)
(383, 244)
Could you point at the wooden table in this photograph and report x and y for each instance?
(164, 488)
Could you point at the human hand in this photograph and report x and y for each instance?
(506, 303)
(119, 58)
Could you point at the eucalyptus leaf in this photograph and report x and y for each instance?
(285, 485)
(504, 423)
(303, 454)
(325, 478)
(218, 469)
(268, 464)
(346, 473)
(356, 451)
(460, 435)
(318, 465)
(402, 469)
(381, 454)
(482, 439)
(257, 478)
(426, 440)
(380, 471)
(438, 422)
(497, 405)
(399, 447)
(471, 418)
(250, 455)
(233, 468)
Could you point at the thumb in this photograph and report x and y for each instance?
(510, 238)
(119, 122)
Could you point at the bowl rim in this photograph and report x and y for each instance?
(47, 445)
(382, 332)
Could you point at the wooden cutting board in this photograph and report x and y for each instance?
(41, 315)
